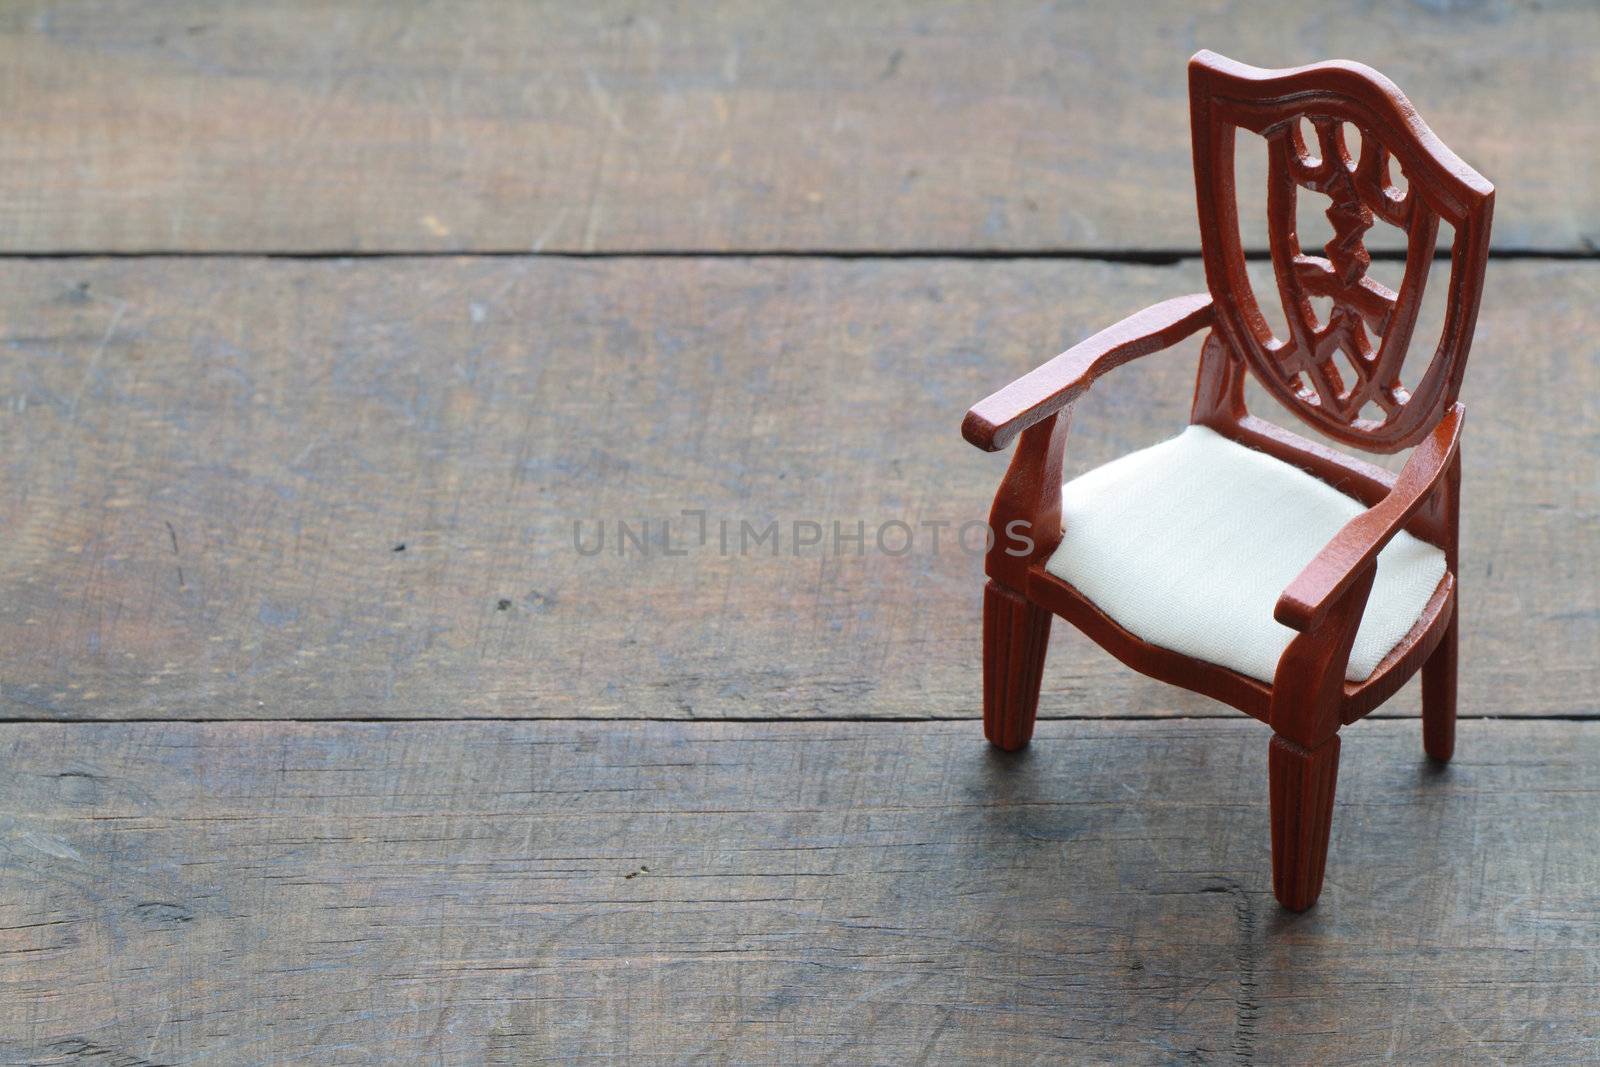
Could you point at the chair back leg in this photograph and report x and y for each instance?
(1439, 672)
(1439, 696)
(1016, 635)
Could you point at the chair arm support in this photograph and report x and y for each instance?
(996, 419)
(1354, 549)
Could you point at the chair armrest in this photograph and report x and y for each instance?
(996, 419)
(1356, 546)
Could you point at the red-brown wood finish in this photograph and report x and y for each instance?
(1301, 370)
(1018, 632)
(1367, 404)
(1300, 783)
(1439, 670)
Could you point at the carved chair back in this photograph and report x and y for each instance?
(1367, 403)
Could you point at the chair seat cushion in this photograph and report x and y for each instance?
(1189, 544)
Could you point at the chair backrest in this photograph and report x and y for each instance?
(1369, 324)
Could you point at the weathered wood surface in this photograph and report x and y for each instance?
(500, 125)
(207, 469)
(785, 893)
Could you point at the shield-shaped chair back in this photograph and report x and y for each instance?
(1345, 375)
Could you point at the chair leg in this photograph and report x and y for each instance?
(1016, 635)
(1301, 782)
(1439, 698)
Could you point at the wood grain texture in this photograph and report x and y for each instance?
(207, 468)
(497, 125)
(807, 892)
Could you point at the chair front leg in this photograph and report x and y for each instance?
(1025, 526)
(1016, 636)
(1303, 761)
(1301, 782)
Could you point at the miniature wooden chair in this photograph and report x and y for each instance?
(1239, 560)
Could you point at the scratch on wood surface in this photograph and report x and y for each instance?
(1247, 1005)
(554, 227)
(594, 208)
(92, 366)
(77, 1050)
(603, 102)
(173, 534)
(49, 844)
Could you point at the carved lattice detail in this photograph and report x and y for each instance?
(1370, 326)
(1358, 190)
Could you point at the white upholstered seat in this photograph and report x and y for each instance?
(1188, 545)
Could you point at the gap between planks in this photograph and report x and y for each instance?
(1151, 257)
(887, 720)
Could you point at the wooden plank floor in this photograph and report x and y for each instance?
(211, 464)
(322, 742)
(786, 893)
(756, 124)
